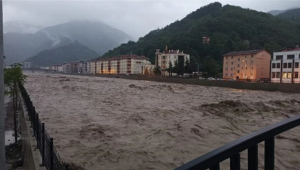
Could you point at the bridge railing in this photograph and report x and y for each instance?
(250, 143)
(50, 157)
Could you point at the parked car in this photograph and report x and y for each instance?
(211, 78)
(201, 78)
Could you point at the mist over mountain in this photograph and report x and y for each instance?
(67, 53)
(277, 12)
(20, 27)
(95, 35)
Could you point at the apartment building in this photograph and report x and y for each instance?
(285, 66)
(251, 65)
(125, 64)
(26, 65)
(170, 56)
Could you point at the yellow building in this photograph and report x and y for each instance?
(251, 64)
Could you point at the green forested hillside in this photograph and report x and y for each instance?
(293, 14)
(227, 26)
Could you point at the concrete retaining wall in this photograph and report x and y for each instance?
(31, 155)
(287, 88)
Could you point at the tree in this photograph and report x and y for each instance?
(187, 67)
(170, 69)
(146, 72)
(175, 68)
(210, 67)
(157, 71)
(12, 77)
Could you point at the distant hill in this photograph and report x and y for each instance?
(228, 27)
(92, 34)
(71, 52)
(293, 14)
(276, 12)
(20, 27)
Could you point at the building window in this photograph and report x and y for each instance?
(252, 56)
(278, 65)
(289, 75)
(238, 71)
(277, 74)
(296, 64)
(284, 65)
(291, 57)
(239, 59)
(231, 63)
(296, 75)
(226, 74)
(238, 65)
(289, 65)
(273, 75)
(273, 65)
(284, 75)
(245, 56)
(279, 57)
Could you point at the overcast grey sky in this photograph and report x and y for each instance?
(135, 17)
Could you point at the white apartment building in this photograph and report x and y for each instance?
(26, 64)
(163, 59)
(125, 64)
(285, 66)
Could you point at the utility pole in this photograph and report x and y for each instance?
(2, 116)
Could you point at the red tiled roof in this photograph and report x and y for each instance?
(289, 49)
(234, 53)
(123, 57)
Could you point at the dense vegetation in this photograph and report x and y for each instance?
(71, 52)
(293, 14)
(227, 26)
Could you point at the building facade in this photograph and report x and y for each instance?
(247, 65)
(125, 64)
(164, 59)
(285, 66)
(26, 65)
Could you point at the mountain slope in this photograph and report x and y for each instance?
(276, 12)
(71, 52)
(293, 14)
(92, 34)
(20, 27)
(227, 26)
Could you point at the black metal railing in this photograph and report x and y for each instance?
(250, 142)
(50, 157)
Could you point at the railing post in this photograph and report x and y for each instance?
(43, 144)
(215, 167)
(253, 158)
(51, 151)
(269, 154)
(37, 131)
(235, 162)
(33, 120)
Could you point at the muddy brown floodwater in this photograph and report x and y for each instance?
(117, 124)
